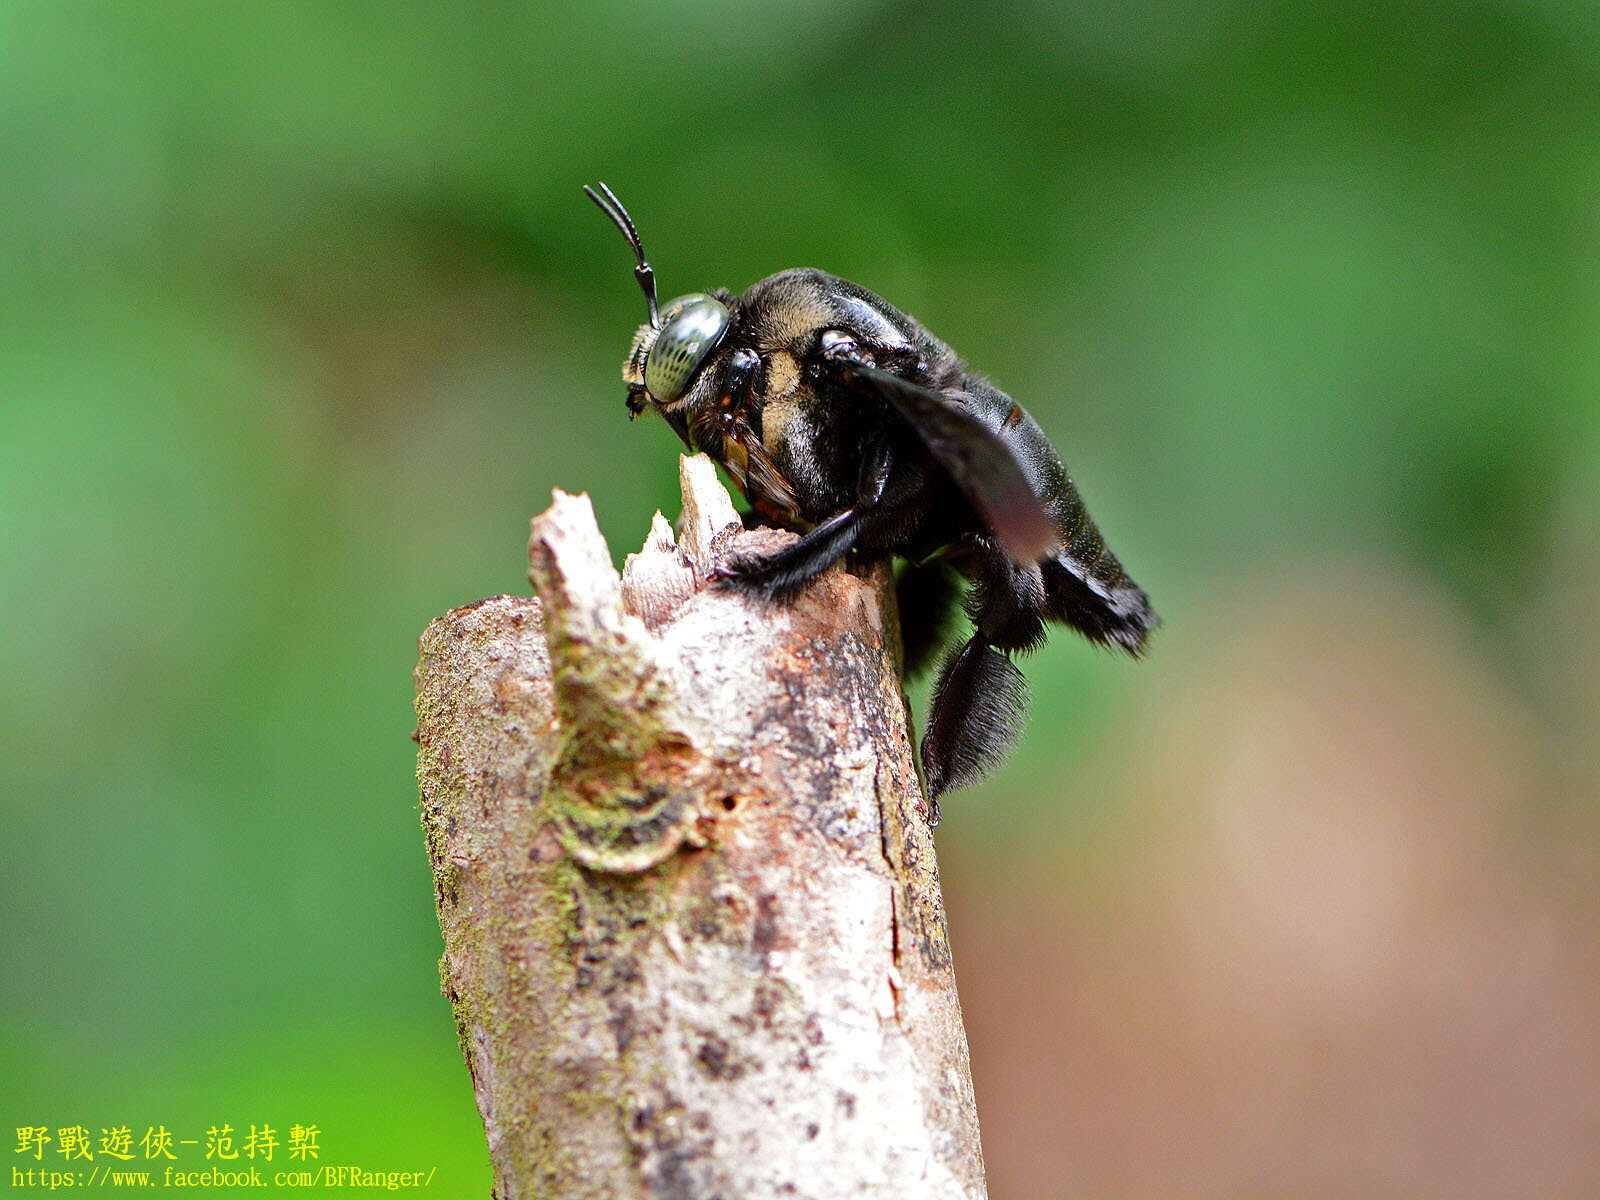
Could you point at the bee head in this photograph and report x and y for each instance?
(669, 351)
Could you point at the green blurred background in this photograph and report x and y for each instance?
(302, 314)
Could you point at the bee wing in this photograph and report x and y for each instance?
(982, 465)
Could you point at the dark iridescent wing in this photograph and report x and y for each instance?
(979, 462)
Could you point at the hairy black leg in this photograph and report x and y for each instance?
(926, 596)
(1007, 601)
(979, 710)
(779, 575)
(980, 703)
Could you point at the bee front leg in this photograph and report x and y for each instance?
(781, 575)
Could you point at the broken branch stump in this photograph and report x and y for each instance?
(694, 941)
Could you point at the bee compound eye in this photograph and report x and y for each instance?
(692, 326)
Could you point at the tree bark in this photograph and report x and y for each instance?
(694, 941)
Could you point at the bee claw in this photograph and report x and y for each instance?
(733, 576)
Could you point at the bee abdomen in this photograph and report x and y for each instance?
(1085, 584)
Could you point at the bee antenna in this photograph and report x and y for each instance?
(612, 207)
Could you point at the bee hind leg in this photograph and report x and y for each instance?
(980, 702)
(979, 710)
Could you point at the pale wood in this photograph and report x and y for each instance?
(694, 940)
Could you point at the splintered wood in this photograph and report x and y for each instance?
(694, 941)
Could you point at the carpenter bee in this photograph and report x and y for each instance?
(845, 420)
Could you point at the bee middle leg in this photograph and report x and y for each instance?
(926, 595)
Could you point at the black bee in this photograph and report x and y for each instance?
(843, 418)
